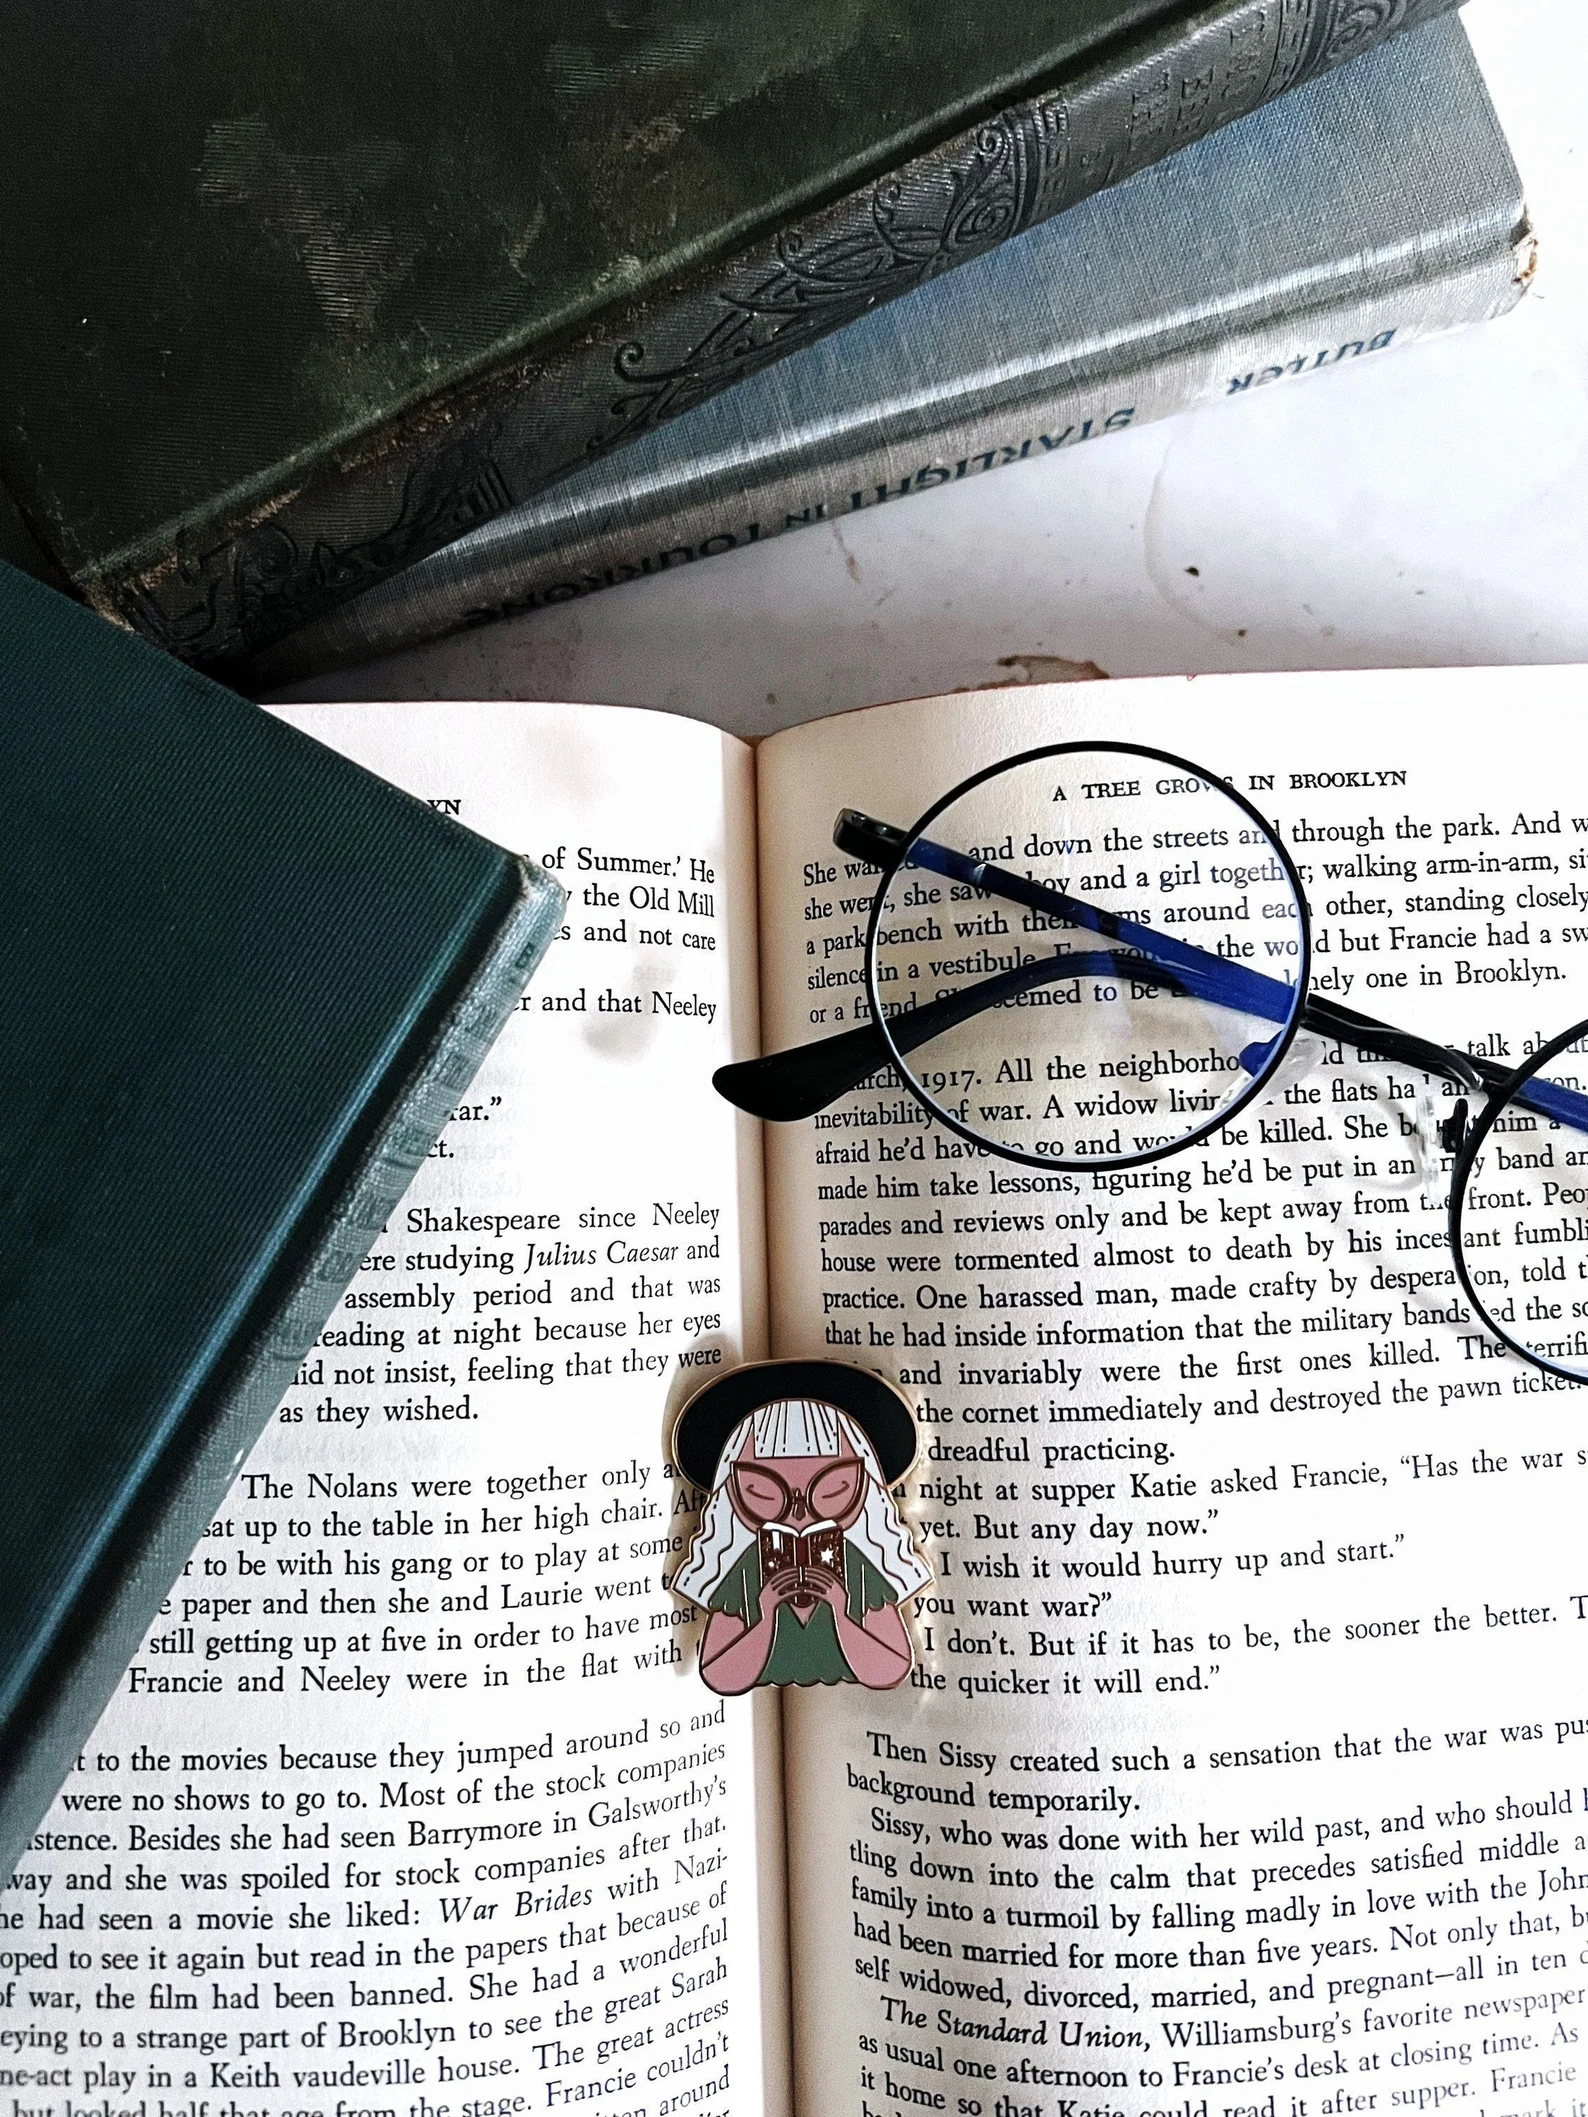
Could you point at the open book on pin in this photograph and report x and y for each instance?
(1240, 1768)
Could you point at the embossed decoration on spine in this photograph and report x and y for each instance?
(1358, 23)
(919, 223)
(271, 584)
(1298, 43)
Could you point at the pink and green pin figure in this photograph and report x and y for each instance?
(802, 1557)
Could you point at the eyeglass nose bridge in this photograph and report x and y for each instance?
(1452, 1130)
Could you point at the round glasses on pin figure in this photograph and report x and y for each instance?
(1094, 955)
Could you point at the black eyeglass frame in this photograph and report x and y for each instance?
(794, 1083)
(787, 1085)
(901, 858)
(1501, 1100)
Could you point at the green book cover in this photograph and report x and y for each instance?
(245, 983)
(293, 299)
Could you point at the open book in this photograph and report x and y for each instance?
(1242, 1767)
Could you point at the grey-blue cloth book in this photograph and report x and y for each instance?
(1372, 207)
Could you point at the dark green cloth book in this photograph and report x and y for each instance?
(293, 299)
(245, 984)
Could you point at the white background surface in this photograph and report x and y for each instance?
(1428, 508)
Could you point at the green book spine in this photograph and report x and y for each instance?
(268, 561)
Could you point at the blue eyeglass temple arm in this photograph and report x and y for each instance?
(795, 1083)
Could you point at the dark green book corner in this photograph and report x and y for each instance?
(294, 297)
(244, 983)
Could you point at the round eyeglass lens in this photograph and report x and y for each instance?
(1089, 956)
(1519, 1214)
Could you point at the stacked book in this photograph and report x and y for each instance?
(535, 308)
(1303, 240)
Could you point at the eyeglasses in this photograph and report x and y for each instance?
(831, 1494)
(1181, 1002)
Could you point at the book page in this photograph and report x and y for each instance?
(410, 1805)
(1241, 1774)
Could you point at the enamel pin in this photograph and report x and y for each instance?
(802, 1557)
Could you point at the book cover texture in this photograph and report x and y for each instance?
(245, 984)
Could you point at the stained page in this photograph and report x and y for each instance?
(1242, 1769)
(410, 1802)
